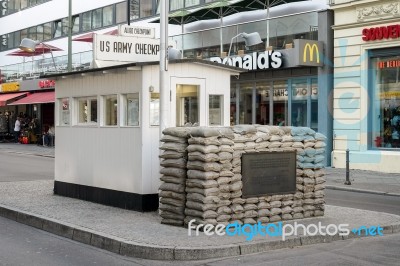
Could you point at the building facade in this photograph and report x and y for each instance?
(366, 82)
(294, 93)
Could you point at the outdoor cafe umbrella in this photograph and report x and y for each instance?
(40, 49)
(88, 37)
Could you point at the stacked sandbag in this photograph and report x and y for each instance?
(173, 160)
(214, 175)
(310, 186)
(203, 171)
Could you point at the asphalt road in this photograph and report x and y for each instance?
(24, 245)
(365, 201)
(370, 251)
(20, 167)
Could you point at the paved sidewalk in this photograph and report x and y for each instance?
(364, 181)
(142, 235)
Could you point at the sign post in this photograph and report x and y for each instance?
(164, 87)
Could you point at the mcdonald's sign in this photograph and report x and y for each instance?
(309, 53)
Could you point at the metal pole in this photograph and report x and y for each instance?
(69, 65)
(128, 11)
(267, 42)
(164, 86)
(347, 182)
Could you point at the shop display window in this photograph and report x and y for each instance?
(215, 115)
(386, 102)
(286, 102)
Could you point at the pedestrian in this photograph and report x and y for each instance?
(17, 129)
(48, 137)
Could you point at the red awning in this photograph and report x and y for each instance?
(38, 97)
(4, 98)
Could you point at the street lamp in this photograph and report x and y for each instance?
(250, 39)
(29, 45)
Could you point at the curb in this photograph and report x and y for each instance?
(362, 191)
(138, 250)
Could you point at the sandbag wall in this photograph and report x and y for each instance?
(212, 183)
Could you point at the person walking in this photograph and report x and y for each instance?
(17, 129)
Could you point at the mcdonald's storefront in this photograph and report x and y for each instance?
(293, 93)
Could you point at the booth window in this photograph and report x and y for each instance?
(215, 110)
(187, 107)
(131, 109)
(155, 109)
(64, 109)
(110, 110)
(385, 81)
(87, 110)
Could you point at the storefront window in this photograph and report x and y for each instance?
(300, 95)
(386, 102)
(110, 110)
(245, 103)
(314, 104)
(155, 109)
(131, 109)
(280, 96)
(87, 110)
(215, 110)
(233, 111)
(262, 105)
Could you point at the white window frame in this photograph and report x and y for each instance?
(103, 107)
(124, 109)
(221, 112)
(60, 111)
(77, 114)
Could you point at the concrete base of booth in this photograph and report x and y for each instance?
(120, 199)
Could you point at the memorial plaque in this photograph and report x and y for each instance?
(268, 173)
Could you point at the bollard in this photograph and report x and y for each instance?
(347, 182)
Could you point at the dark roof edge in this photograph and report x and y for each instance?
(178, 61)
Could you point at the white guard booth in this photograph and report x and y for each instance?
(107, 126)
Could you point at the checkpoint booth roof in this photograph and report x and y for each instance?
(107, 125)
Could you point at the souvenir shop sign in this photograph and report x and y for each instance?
(254, 61)
(9, 87)
(380, 33)
(126, 49)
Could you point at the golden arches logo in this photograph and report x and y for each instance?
(310, 48)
